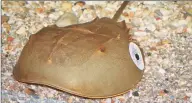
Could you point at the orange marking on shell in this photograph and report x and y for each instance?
(102, 48)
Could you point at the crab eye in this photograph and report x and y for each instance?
(136, 55)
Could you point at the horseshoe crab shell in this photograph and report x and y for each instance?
(94, 60)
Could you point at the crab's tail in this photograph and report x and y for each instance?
(120, 10)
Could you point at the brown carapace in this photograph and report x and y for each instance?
(94, 60)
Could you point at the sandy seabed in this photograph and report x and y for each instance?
(163, 29)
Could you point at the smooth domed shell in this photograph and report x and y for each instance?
(94, 60)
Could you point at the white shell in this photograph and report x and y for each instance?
(67, 19)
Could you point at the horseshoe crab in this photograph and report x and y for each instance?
(94, 60)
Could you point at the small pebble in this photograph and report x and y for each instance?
(172, 97)
(70, 99)
(189, 11)
(52, 10)
(66, 6)
(153, 49)
(53, 16)
(50, 95)
(179, 23)
(4, 18)
(149, 54)
(189, 94)
(35, 96)
(158, 12)
(6, 55)
(80, 3)
(7, 26)
(67, 19)
(10, 39)
(125, 14)
(135, 93)
(161, 93)
(140, 33)
(136, 21)
(21, 30)
(186, 98)
(166, 91)
(39, 10)
(29, 91)
(191, 99)
(108, 100)
(151, 27)
(121, 99)
(150, 2)
(32, 30)
(162, 71)
(165, 12)
(179, 30)
(165, 42)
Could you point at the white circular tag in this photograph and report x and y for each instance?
(136, 55)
